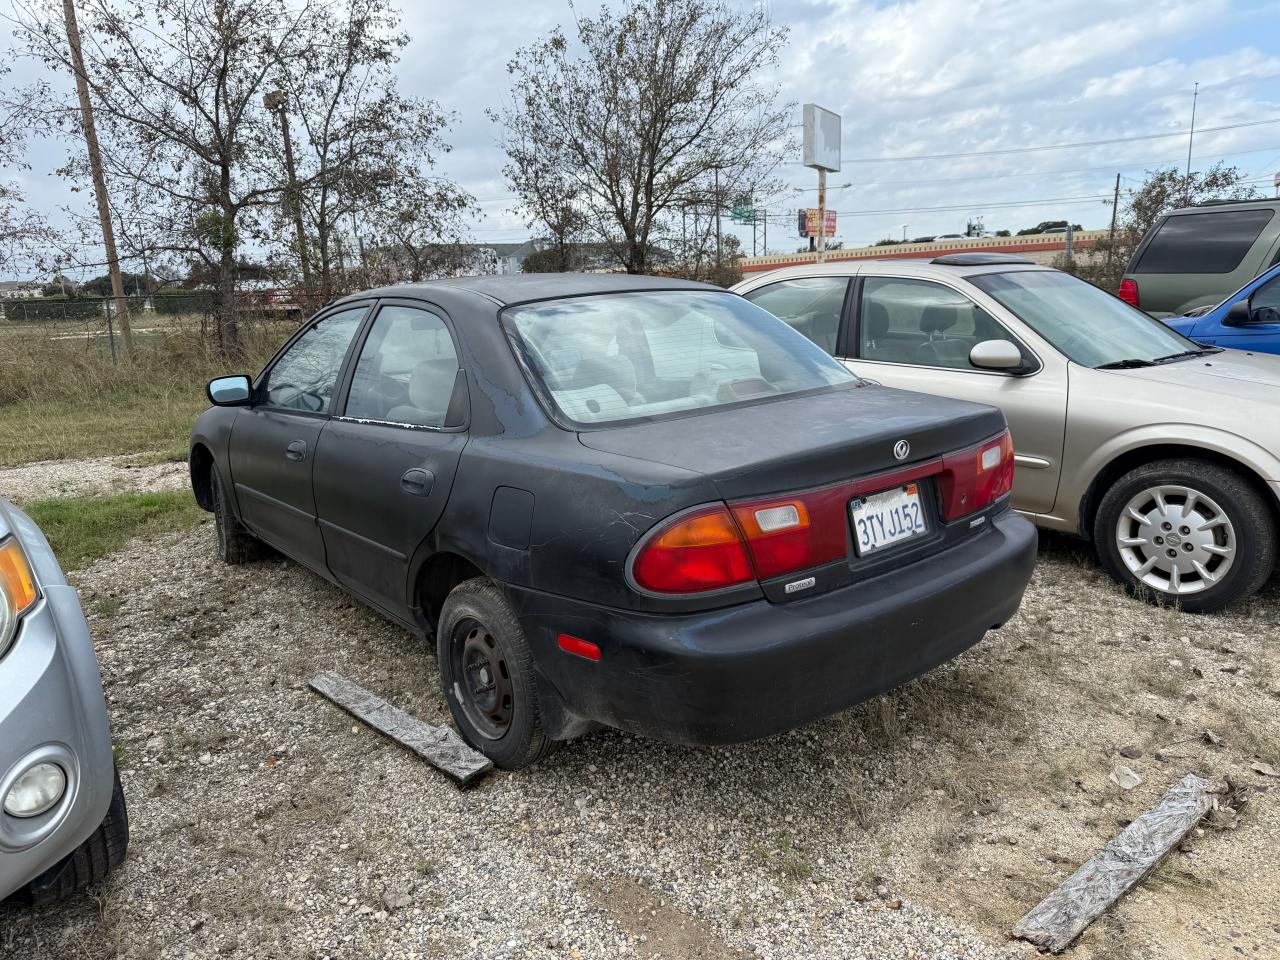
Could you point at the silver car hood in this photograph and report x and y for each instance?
(1235, 373)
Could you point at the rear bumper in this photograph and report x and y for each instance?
(760, 668)
(52, 708)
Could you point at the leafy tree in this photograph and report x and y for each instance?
(657, 110)
(1161, 191)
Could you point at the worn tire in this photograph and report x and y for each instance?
(1250, 518)
(474, 605)
(89, 863)
(236, 545)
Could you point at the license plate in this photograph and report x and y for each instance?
(886, 518)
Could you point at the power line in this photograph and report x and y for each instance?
(1061, 146)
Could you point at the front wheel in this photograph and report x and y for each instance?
(486, 669)
(236, 545)
(1186, 532)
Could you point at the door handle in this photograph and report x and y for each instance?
(296, 450)
(418, 482)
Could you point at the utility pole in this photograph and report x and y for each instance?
(822, 215)
(99, 180)
(1195, 95)
(1115, 206)
(766, 233)
(277, 102)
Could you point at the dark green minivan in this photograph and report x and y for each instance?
(1197, 256)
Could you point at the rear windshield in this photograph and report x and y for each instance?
(1202, 242)
(627, 356)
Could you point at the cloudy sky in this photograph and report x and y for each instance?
(925, 78)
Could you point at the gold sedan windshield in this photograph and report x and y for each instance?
(1087, 325)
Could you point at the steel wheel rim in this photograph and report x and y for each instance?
(1176, 540)
(481, 681)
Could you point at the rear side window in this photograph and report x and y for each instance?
(406, 370)
(1202, 242)
(812, 305)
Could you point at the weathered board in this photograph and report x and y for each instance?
(1063, 915)
(439, 746)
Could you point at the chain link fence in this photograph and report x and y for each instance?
(92, 324)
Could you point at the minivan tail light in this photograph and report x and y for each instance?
(976, 477)
(1128, 292)
(698, 551)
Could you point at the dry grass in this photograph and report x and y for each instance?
(65, 398)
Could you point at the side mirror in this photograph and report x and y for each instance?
(996, 355)
(1238, 314)
(230, 391)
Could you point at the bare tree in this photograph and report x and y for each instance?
(178, 88)
(23, 232)
(651, 107)
(367, 152)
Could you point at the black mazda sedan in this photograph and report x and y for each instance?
(619, 500)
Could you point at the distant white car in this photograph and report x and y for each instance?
(949, 236)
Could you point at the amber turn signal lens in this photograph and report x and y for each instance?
(16, 581)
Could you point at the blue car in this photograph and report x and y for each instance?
(1249, 319)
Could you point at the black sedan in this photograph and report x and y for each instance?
(619, 500)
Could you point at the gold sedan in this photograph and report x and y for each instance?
(1164, 453)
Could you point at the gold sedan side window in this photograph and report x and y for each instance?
(921, 323)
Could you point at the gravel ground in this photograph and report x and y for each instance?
(100, 475)
(266, 823)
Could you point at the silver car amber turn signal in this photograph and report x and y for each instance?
(17, 590)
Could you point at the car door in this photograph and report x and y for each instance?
(385, 466)
(916, 334)
(1262, 332)
(273, 442)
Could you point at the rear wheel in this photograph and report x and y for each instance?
(486, 669)
(236, 545)
(1186, 532)
(88, 863)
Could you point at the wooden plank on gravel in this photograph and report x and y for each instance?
(1063, 915)
(439, 746)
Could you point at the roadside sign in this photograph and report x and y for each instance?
(808, 222)
(821, 138)
(743, 214)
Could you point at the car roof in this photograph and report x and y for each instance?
(513, 289)
(911, 266)
(1221, 206)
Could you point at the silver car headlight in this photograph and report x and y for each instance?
(18, 591)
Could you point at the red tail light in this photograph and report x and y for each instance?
(794, 533)
(699, 551)
(1128, 292)
(976, 477)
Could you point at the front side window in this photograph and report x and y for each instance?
(628, 356)
(1084, 323)
(1264, 305)
(811, 305)
(306, 375)
(406, 371)
(1202, 242)
(921, 322)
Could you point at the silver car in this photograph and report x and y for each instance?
(63, 823)
(1163, 453)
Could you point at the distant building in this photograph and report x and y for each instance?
(19, 289)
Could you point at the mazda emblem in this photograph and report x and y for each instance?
(901, 449)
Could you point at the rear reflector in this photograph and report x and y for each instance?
(576, 645)
(1128, 292)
